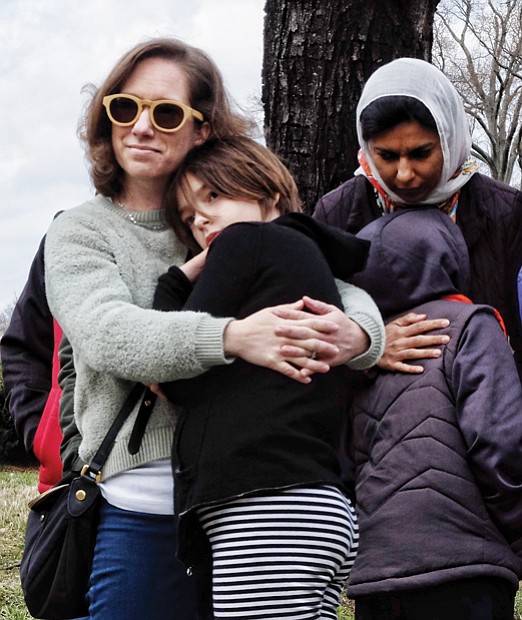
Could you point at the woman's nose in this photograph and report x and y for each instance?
(405, 172)
(143, 124)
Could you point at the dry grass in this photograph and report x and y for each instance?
(346, 610)
(17, 487)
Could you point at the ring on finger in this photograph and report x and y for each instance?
(313, 355)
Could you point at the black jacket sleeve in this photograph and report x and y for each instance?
(172, 290)
(27, 352)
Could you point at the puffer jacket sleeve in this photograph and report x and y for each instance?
(488, 398)
(489, 215)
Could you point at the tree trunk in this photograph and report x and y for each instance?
(317, 56)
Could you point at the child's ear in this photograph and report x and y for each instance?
(272, 212)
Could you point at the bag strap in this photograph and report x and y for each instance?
(142, 419)
(93, 470)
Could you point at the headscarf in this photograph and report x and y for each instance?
(419, 79)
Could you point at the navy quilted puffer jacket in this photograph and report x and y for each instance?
(438, 455)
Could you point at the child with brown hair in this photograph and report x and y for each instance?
(258, 483)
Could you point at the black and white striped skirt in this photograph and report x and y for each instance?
(283, 555)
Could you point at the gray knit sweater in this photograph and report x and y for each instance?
(101, 273)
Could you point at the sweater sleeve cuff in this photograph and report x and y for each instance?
(209, 342)
(377, 341)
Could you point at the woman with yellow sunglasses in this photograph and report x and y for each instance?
(103, 259)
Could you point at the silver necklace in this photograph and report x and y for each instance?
(130, 216)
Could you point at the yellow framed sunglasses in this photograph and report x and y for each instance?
(165, 114)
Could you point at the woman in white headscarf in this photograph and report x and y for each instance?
(415, 144)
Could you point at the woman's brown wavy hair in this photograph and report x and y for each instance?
(207, 94)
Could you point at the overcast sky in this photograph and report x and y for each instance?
(49, 49)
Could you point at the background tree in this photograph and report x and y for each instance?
(317, 56)
(478, 45)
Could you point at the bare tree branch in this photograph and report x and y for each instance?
(478, 45)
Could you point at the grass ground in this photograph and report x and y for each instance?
(17, 487)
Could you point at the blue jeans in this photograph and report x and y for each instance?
(135, 573)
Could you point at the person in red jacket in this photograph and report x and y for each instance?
(30, 368)
(29, 351)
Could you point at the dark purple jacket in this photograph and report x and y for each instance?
(489, 215)
(437, 456)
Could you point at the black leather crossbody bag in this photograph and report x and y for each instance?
(62, 525)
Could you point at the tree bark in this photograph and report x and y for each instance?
(317, 56)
